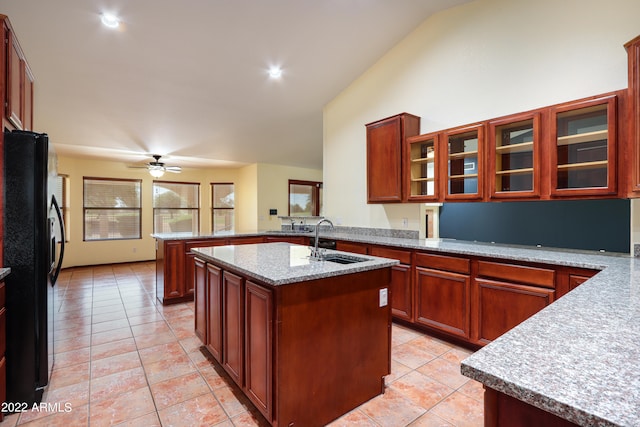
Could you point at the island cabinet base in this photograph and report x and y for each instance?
(501, 410)
(311, 351)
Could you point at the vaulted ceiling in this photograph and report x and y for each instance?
(189, 79)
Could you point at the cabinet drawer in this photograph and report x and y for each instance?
(443, 262)
(403, 256)
(518, 273)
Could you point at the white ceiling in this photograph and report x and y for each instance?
(188, 79)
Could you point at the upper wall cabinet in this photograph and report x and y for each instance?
(385, 159)
(18, 94)
(465, 163)
(422, 178)
(583, 148)
(513, 159)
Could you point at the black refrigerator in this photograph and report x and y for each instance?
(33, 250)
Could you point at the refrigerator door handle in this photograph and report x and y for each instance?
(54, 275)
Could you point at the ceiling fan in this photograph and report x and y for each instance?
(158, 168)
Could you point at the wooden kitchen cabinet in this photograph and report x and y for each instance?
(583, 155)
(442, 294)
(19, 83)
(401, 281)
(513, 146)
(385, 158)
(233, 326)
(507, 294)
(258, 334)
(422, 178)
(464, 157)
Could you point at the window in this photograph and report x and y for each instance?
(176, 207)
(305, 198)
(222, 207)
(112, 209)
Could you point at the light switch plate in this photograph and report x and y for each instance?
(384, 297)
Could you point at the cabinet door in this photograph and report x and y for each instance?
(385, 139)
(15, 81)
(200, 274)
(214, 308)
(583, 155)
(464, 157)
(500, 306)
(514, 157)
(401, 281)
(443, 301)
(422, 168)
(174, 271)
(232, 326)
(258, 347)
(401, 292)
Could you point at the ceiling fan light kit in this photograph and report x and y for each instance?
(157, 168)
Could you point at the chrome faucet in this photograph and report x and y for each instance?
(315, 254)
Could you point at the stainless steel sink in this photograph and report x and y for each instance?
(342, 258)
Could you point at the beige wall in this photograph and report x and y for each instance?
(271, 177)
(480, 60)
(248, 186)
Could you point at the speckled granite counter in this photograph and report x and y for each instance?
(4, 272)
(284, 263)
(579, 357)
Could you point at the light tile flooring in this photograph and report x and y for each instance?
(122, 359)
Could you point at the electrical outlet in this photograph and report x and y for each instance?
(384, 297)
(134, 250)
(405, 222)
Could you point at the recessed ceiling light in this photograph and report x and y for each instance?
(275, 72)
(110, 20)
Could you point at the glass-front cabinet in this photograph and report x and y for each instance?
(464, 163)
(583, 154)
(513, 145)
(423, 168)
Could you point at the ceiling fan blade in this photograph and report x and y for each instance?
(174, 169)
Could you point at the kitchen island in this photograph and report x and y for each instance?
(306, 340)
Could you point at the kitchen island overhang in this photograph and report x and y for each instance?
(307, 341)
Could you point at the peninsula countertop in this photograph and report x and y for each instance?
(284, 263)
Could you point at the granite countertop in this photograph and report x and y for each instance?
(579, 357)
(285, 263)
(4, 272)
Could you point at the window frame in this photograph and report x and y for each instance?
(154, 208)
(214, 209)
(317, 187)
(85, 208)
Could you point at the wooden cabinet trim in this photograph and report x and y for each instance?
(214, 309)
(518, 273)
